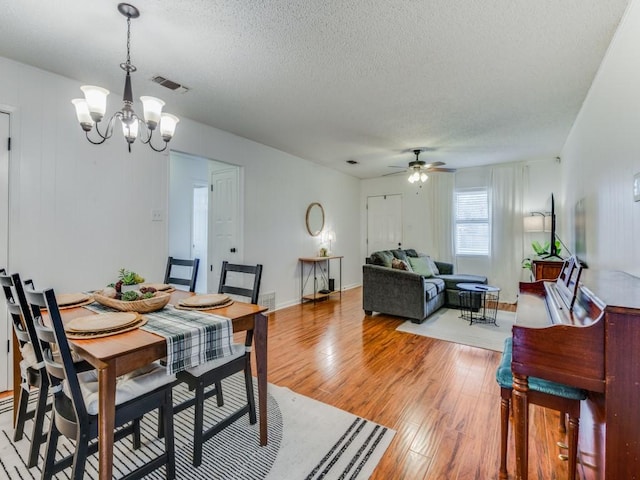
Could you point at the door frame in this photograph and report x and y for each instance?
(6, 332)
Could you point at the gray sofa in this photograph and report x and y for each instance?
(407, 293)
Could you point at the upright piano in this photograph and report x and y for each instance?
(593, 344)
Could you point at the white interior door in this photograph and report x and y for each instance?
(384, 222)
(224, 222)
(5, 327)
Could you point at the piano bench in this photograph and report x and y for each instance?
(544, 393)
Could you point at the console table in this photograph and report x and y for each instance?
(546, 269)
(311, 267)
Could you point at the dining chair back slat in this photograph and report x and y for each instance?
(225, 285)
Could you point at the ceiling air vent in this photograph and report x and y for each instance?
(170, 84)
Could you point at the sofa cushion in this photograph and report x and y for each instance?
(437, 282)
(382, 257)
(452, 281)
(421, 265)
(400, 265)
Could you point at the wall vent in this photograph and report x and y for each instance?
(268, 300)
(170, 84)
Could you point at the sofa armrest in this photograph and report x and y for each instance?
(444, 268)
(392, 291)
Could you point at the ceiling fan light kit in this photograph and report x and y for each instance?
(91, 109)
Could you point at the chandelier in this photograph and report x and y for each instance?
(90, 110)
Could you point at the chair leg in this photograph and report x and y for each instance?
(37, 435)
(161, 422)
(80, 455)
(574, 426)
(198, 426)
(219, 395)
(251, 400)
(167, 422)
(50, 454)
(23, 402)
(136, 433)
(505, 406)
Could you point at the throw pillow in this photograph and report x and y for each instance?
(421, 266)
(400, 265)
(400, 255)
(411, 252)
(383, 257)
(433, 266)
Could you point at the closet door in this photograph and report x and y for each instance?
(384, 222)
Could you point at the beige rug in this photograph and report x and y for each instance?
(307, 440)
(446, 324)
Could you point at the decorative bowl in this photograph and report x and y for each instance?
(145, 305)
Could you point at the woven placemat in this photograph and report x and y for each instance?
(210, 307)
(106, 333)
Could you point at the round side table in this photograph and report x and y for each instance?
(478, 302)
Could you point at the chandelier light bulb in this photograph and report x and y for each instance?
(423, 177)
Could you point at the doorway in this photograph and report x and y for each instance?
(384, 222)
(5, 324)
(200, 215)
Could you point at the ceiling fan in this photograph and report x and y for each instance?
(418, 169)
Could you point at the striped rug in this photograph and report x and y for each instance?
(307, 440)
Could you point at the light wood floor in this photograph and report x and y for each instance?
(441, 398)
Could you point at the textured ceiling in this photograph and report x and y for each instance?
(474, 81)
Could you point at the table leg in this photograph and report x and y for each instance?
(106, 420)
(260, 338)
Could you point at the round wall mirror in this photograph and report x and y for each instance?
(315, 219)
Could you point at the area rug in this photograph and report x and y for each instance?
(446, 324)
(307, 440)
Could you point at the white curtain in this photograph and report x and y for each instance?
(507, 191)
(441, 207)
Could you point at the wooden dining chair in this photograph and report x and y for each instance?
(544, 393)
(32, 371)
(75, 401)
(212, 373)
(171, 278)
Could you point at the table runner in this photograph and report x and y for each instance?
(192, 337)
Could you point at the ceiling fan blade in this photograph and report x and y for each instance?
(433, 164)
(440, 169)
(396, 166)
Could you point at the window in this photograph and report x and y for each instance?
(472, 222)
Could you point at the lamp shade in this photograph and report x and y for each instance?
(82, 112)
(152, 108)
(534, 223)
(168, 124)
(96, 98)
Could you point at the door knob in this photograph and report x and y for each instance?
(233, 250)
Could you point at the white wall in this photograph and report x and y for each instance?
(544, 179)
(79, 212)
(602, 154)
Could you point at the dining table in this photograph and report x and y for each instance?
(116, 355)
